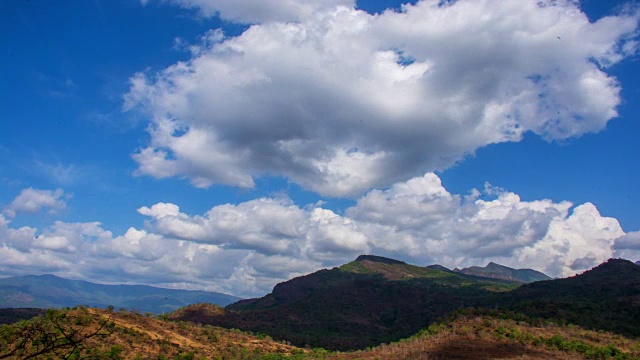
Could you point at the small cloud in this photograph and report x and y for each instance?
(32, 200)
(492, 189)
(58, 173)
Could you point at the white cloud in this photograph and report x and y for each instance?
(258, 11)
(33, 200)
(247, 248)
(344, 101)
(574, 243)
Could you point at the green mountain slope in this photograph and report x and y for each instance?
(498, 271)
(48, 291)
(606, 297)
(369, 301)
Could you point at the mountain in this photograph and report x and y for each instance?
(49, 291)
(498, 271)
(366, 302)
(638, 263)
(606, 297)
(375, 300)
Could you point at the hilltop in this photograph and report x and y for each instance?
(49, 291)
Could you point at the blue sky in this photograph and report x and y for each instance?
(422, 134)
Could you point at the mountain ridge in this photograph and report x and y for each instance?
(498, 271)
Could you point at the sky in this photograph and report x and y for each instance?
(229, 145)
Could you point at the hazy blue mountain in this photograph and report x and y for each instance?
(638, 263)
(49, 291)
(497, 271)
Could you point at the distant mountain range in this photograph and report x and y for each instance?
(497, 271)
(49, 291)
(375, 300)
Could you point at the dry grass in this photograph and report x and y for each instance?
(145, 337)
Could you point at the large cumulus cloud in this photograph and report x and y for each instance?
(341, 101)
(246, 248)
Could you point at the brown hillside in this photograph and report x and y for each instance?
(131, 335)
(482, 337)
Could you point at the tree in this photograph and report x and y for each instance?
(62, 333)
